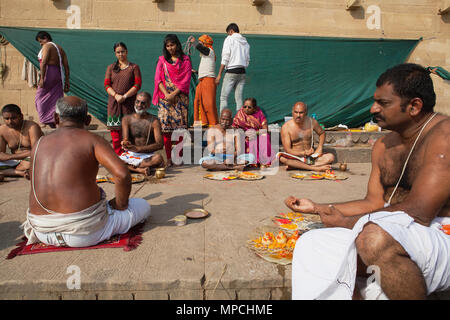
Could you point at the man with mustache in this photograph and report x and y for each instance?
(298, 143)
(142, 137)
(401, 228)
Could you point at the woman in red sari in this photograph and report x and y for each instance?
(250, 116)
(171, 94)
(122, 82)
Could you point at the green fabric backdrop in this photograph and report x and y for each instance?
(334, 76)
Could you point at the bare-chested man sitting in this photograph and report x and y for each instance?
(142, 137)
(19, 135)
(401, 228)
(66, 206)
(298, 143)
(225, 150)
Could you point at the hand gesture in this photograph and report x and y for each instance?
(299, 205)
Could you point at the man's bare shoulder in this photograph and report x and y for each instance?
(440, 132)
(288, 125)
(3, 128)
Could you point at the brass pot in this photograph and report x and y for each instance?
(160, 173)
(343, 167)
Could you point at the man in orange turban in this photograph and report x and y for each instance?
(205, 109)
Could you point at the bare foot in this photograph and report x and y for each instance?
(323, 168)
(239, 167)
(2, 177)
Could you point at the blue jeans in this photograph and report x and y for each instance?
(232, 81)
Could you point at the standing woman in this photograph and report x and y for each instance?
(171, 94)
(122, 82)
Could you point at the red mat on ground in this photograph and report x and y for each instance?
(128, 241)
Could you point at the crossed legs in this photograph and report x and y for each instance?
(400, 278)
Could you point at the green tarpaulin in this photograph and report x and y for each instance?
(334, 76)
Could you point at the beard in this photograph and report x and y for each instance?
(139, 112)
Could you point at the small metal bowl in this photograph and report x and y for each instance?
(197, 213)
(179, 220)
(160, 173)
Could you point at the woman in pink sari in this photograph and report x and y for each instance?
(171, 94)
(250, 116)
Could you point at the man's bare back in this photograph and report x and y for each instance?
(65, 172)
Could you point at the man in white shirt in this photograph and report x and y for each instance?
(235, 59)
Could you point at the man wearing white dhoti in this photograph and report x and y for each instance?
(66, 206)
(400, 229)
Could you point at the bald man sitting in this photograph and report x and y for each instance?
(298, 142)
(225, 147)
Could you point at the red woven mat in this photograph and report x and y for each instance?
(128, 241)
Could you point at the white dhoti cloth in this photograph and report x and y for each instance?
(118, 222)
(134, 158)
(324, 260)
(9, 163)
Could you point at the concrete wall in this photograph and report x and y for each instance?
(399, 19)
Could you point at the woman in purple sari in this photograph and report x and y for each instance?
(53, 81)
(257, 142)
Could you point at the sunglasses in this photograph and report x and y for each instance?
(247, 107)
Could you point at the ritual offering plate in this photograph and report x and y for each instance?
(331, 175)
(196, 213)
(314, 176)
(297, 175)
(135, 178)
(293, 221)
(101, 178)
(273, 244)
(221, 176)
(250, 176)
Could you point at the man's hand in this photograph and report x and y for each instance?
(4, 156)
(309, 152)
(41, 83)
(217, 81)
(114, 205)
(66, 86)
(299, 205)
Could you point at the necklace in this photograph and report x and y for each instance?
(20, 135)
(410, 152)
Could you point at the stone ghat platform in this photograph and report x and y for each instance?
(205, 259)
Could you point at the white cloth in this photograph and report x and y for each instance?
(83, 222)
(207, 65)
(40, 55)
(235, 52)
(9, 163)
(118, 222)
(324, 261)
(29, 73)
(134, 158)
